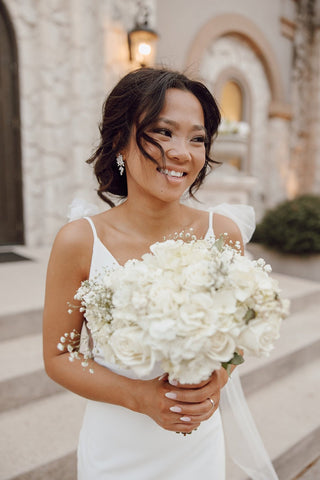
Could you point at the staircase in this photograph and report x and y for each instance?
(40, 422)
(283, 391)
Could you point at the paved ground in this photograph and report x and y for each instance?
(22, 284)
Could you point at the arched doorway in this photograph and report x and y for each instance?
(11, 206)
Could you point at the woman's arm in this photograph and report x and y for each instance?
(69, 264)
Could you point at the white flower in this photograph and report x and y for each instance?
(129, 347)
(197, 275)
(259, 337)
(221, 347)
(192, 371)
(224, 301)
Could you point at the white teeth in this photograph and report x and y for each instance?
(171, 173)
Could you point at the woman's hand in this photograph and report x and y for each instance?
(180, 407)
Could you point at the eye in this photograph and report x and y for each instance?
(199, 139)
(163, 131)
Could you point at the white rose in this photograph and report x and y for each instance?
(259, 336)
(220, 346)
(131, 351)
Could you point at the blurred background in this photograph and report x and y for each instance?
(58, 61)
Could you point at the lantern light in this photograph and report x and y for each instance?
(142, 40)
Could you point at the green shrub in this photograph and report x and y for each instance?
(292, 227)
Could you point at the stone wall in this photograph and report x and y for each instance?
(315, 124)
(70, 55)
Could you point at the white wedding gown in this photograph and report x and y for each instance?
(118, 444)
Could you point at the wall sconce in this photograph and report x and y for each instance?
(142, 39)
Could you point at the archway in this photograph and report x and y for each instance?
(11, 203)
(235, 24)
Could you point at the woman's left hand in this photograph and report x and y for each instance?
(196, 403)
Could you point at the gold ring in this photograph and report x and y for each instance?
(211, 401)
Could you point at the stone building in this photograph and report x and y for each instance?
(59, 59)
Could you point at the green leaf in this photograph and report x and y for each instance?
(250, 315)
(237, 359)
(220, 243)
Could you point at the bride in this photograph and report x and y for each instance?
(156, 133)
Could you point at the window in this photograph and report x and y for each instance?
(232, 111)
(232, 102)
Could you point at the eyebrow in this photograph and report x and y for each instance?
(175, 124)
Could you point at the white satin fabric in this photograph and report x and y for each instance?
(119, 444)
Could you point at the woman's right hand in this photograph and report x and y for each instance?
(178, 408)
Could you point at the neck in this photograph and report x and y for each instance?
(154, 220)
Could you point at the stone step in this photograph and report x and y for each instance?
(23, 283)
(16, 325)
(299, 344)
(311, 472)
(286, 413)
(301, 292)
(40, 438)
(23, 379)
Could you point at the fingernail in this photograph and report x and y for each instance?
(173, 382)
(185, 419)
(176, 409)
(162, 377)
(171, 395)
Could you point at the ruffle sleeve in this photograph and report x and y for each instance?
(242, 215)
(80, 208)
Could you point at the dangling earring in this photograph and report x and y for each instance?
(120, 163)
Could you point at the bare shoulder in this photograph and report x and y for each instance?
(73, 245)
(75, 234)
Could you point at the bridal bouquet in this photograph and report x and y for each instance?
(188, 305)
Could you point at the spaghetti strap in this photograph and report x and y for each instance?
(93, 228)
(210, 232)
(210, 228)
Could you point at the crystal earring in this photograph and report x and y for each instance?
(120, 163)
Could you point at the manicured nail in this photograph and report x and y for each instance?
(171, 395)
(185, 419)
(176, 409)
(173, 382)
(162, 377)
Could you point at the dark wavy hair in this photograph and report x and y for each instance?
(137, 100)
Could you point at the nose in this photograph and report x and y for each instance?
(179, 150)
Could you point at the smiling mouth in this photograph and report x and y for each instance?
(171, 173)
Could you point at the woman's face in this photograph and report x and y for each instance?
(180, 131)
